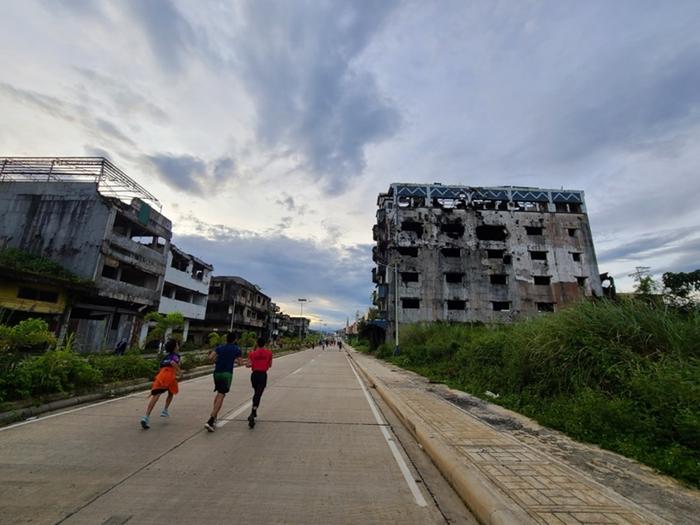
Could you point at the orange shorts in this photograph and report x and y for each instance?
(166, 380)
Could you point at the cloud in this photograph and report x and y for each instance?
(74, 113)
(336, 277)
(169, 34)
(125, 99)
(648, 245)
(308, 96)
(289, 204)
(190, 173)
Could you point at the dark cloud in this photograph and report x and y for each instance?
(647, 245)
(189, 173)
(169, 34)
(309, 99)
(334, 278)
(289, 204)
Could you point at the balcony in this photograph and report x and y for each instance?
(189, 310)
(185, 280)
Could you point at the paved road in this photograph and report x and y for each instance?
(320, 453)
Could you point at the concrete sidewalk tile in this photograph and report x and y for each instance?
(520, 476)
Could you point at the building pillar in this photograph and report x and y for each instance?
(185, 330)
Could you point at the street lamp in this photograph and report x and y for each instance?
(301, 300)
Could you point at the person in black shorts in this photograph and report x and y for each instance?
(225, 356)
(259, 361)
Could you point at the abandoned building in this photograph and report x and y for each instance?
(186, 288)
(93, 220)
(467, 254)
(233, 304)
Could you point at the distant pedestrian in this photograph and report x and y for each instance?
(165, 381)
(121, 347)
(225, 355)
(340, 345)
(260, 361)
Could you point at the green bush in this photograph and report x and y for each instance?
(623, 375)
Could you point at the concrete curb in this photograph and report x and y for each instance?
(487, 502)
(21, 414)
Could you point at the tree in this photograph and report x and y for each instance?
(682, 289)
(25, 336)
(163, 325)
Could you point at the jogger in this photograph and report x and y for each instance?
(165, 381)
(225, 356)
(260, 361)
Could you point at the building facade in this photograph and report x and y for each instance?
(89, 217)
(466, 254)
(233, 304)
(186, 288)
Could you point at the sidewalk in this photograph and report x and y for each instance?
(502, 479)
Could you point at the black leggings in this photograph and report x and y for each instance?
(259, 382)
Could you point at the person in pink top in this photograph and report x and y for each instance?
(260, 361)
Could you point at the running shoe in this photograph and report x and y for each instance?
(164, 413)
(210, 425)
(251, 421)
(144, 423)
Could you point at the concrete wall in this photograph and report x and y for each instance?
(65, 222)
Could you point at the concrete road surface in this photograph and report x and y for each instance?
(321, 452)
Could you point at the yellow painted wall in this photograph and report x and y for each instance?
(10, 301)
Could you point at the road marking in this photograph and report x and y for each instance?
(413, 487)
(235, 412)
(297, 370)
(36, 419)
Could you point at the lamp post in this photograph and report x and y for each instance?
(301, 300)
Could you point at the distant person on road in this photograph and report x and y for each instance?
(340, 345)
(260, 361)
(121, 347)
(165, 381)
(225, 356)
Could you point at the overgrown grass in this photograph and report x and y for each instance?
(624, 375)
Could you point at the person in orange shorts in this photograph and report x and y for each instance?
(165, 381)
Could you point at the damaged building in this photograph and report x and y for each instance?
(103, 227)
(468, 254)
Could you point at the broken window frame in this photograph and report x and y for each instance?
(488, 232)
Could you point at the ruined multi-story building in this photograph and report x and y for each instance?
(233, 304)
(186, 288)
(466, 254)
(88, 216)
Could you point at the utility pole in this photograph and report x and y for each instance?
(232, 311)
(301, 300)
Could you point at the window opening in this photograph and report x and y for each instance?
(410, 251)
(499, 278)
(451, 252)
(534, 230)
(581, 281)
(487, 232)
(572, 232)
(538, 256)
(453, 230)
(409, 277)
(412, 226)
(454, 277)
(543, 279)
(576, 256)
(456, 305)
(410, 303)
(545, 307)
(500, 306)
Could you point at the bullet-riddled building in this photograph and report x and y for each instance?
(467, 254)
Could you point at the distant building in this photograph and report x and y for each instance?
(466, 254)
(233, 304)
(186, 288)
(298, 326)
(88, 216)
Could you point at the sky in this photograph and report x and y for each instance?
(267, 128)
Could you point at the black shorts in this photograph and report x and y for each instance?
(258, 379)
(157, 391)
(222, 382)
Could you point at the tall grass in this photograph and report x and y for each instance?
(623, 375)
